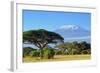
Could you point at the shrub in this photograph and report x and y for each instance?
(61, 52)
(45, 53)
(58, 52)
(48, 53)
(34, 53)
(85, 52)
(26, 51)
(51, 53)
(75, 51)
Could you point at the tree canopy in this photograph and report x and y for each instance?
(41, 37)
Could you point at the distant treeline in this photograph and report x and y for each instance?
(68, 48)
(72, 48)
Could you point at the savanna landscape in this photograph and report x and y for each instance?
(56, 36)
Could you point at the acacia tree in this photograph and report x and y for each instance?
(41, 38)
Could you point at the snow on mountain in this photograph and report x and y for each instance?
(73, 32)
(73, 27)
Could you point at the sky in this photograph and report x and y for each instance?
(52, 20)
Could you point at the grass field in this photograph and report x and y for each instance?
(57, 58)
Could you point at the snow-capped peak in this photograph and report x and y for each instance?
(73, 27)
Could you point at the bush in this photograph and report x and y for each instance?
(61, 52)
(26, 51)
(34, 53)
(85, 52)
(58, 52)
(51, 53)
(48, 53)
(75, 51)
(45, 53)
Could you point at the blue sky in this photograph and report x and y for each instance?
(35, 19)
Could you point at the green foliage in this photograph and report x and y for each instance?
(45, 53)
(48, 53)
(74, 48)
(34, 53)
(40, 38)
(59, 52)
(27, 50)
(85, 52)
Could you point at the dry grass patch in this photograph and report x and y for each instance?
(57, 58)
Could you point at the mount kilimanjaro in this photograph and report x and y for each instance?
(74, 33)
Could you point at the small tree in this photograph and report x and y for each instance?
(41, 38)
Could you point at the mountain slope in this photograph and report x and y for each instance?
(73, 32)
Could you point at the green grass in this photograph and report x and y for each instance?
(57, 58)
